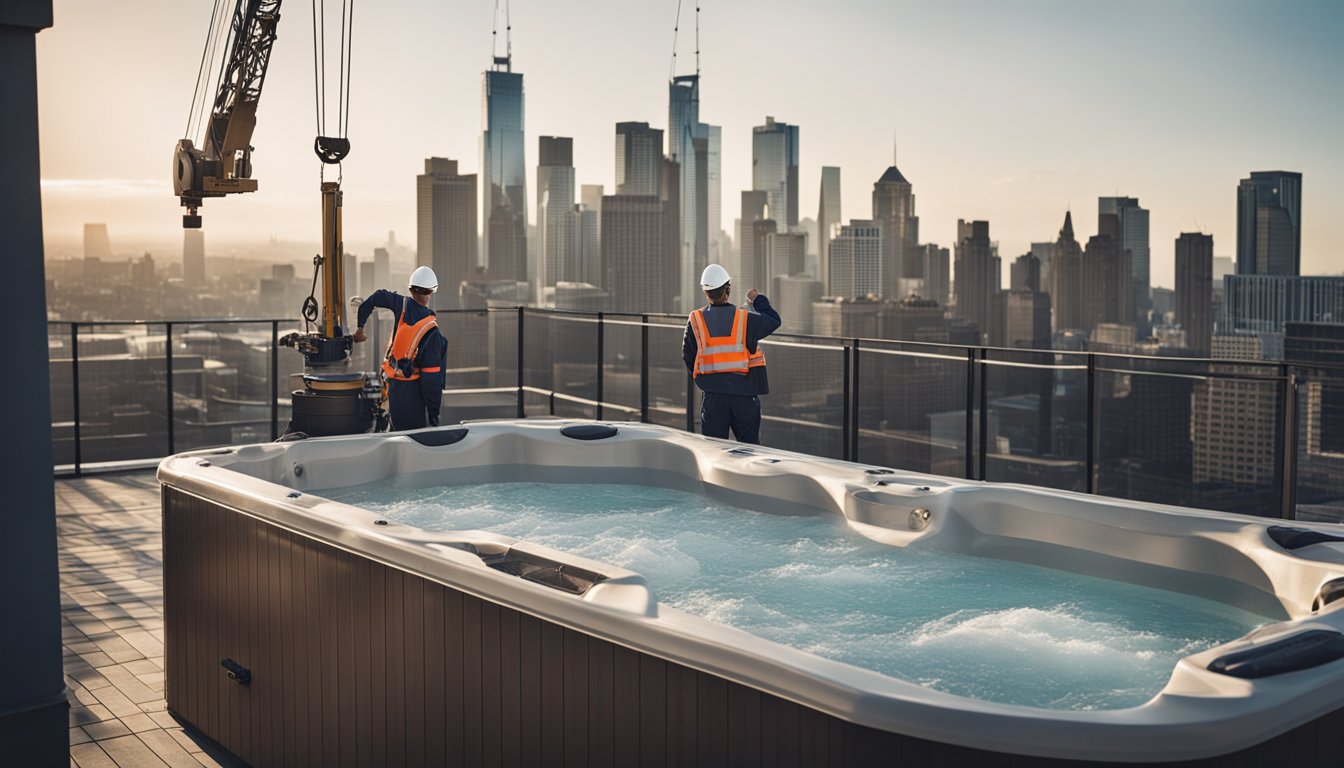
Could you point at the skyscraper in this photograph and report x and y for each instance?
(750, 263)
(695, 146)
(828, 215)
(639, 159)
(445, 231)
(1107, 291)
(1233, 421)
(774, 170)
(669, 253)
(1026, 319)
(785, 253)
(796, 295)
(894, 210)
(975, 275)
(193, 257)
(1132, 233)
(1066, 279)
(1269, 224)
(632, 237)
(97, 245)
(504, 173)
(714, 187)
(382, 267)
(590, 234)
(557, 220)
(856, 260)
(1026, 273)
(937, 274)
(1194, 290)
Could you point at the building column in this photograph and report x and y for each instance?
(33, 707)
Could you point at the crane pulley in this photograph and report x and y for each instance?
(219, 161)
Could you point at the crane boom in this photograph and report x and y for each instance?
(223, 165)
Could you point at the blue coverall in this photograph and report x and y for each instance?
(412, 404)
(730, 399)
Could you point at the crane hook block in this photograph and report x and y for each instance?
(331, 150)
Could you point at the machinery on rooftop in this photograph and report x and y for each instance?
(334, 399)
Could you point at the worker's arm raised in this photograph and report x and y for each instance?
(380, 298)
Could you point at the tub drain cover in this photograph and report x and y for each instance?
(589, 431)
(1291, 654)
(439, 437)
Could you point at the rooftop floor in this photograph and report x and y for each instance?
(111, 559)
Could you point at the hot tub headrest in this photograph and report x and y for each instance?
(1297, 538)
(1303, 650)
(589, 431)
(435, 438)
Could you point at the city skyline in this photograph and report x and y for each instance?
(1050, 148)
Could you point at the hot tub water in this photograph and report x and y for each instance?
(984, 628)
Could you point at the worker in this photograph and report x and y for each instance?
(413, 365)
(721, 348)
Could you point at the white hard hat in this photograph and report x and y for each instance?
(713, 277)
(424, 277)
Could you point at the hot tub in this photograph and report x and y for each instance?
(300, 629)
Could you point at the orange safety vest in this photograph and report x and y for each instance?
(405, 345)
(723, 354)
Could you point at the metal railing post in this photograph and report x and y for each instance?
(1287, 460)
(275, 380)
(600, 353)
(521, 411)
(168, 367)
(854, 405)
(74, 390)
(690, 402)
(984, 413)
(845, 424)
(644, 369)
(970, 413)
(1091, 423)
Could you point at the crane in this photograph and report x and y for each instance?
(332, 402)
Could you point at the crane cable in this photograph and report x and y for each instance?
(332, 149)
(200, 72)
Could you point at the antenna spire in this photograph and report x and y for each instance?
(507, 58)
(697, 39)
(676, 27)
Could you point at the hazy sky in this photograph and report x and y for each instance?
(1006, 111)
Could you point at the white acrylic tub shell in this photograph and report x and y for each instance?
(1221, 556)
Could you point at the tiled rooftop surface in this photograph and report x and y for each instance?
(111, 556)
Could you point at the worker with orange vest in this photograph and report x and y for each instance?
(413, 364)
(722, 351)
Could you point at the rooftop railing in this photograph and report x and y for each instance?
(1256, 437)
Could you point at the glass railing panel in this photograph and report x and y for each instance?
(222, 384)
(478, 342)
(61, 388)
(667, 375)
(1320, 444)
(1189, 433)
(622, 359)
(569, 355)
(912, 407)
(1036, 408)
(804, 410)
(122, 390)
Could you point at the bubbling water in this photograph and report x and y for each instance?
(978, 627)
